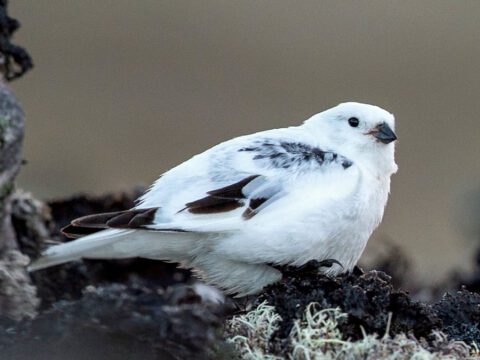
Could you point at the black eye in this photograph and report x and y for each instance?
(353, 122)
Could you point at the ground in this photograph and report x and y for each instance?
(118, 309)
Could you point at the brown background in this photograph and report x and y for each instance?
(123, 90)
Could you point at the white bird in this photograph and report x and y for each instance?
(239, 210)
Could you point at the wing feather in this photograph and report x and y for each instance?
(221, 188)
(128, 219)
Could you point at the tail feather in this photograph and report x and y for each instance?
(118, 244)
(77, 249)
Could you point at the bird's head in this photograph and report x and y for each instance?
(358, 131)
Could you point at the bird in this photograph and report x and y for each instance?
(241, 211)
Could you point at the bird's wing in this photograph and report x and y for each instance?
(223, 187)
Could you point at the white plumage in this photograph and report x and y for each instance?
(277, 197)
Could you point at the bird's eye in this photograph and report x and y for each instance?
(353, 122)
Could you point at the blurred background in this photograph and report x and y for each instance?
(124, 90)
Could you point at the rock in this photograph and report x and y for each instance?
(37, 225)
(460, 313)
(17, 295)
(18, 298)
(368, 298)
(11, 140)
(120, 322)
(126, 309)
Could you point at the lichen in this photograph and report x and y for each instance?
(251, 332)
(18, 296)
(316, 336)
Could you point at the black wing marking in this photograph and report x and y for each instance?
(96, 220)
(128, 219)
(220, 200)
(74, 232)
(255, 190)
(288, 154)
(253, 205)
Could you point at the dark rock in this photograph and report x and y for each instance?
(36, 223)
(368, 298)
(125, 311)
(65, 210)
(460, 313)
(119, 322)
(135, 317)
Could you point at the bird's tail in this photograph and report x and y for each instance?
(119, 244)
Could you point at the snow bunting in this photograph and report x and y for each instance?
(238, 211)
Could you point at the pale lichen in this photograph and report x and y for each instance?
(316, 336)
(18, 297)
(251, 332)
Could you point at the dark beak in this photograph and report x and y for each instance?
(384, 134)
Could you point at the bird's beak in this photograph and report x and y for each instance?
(383, 133)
